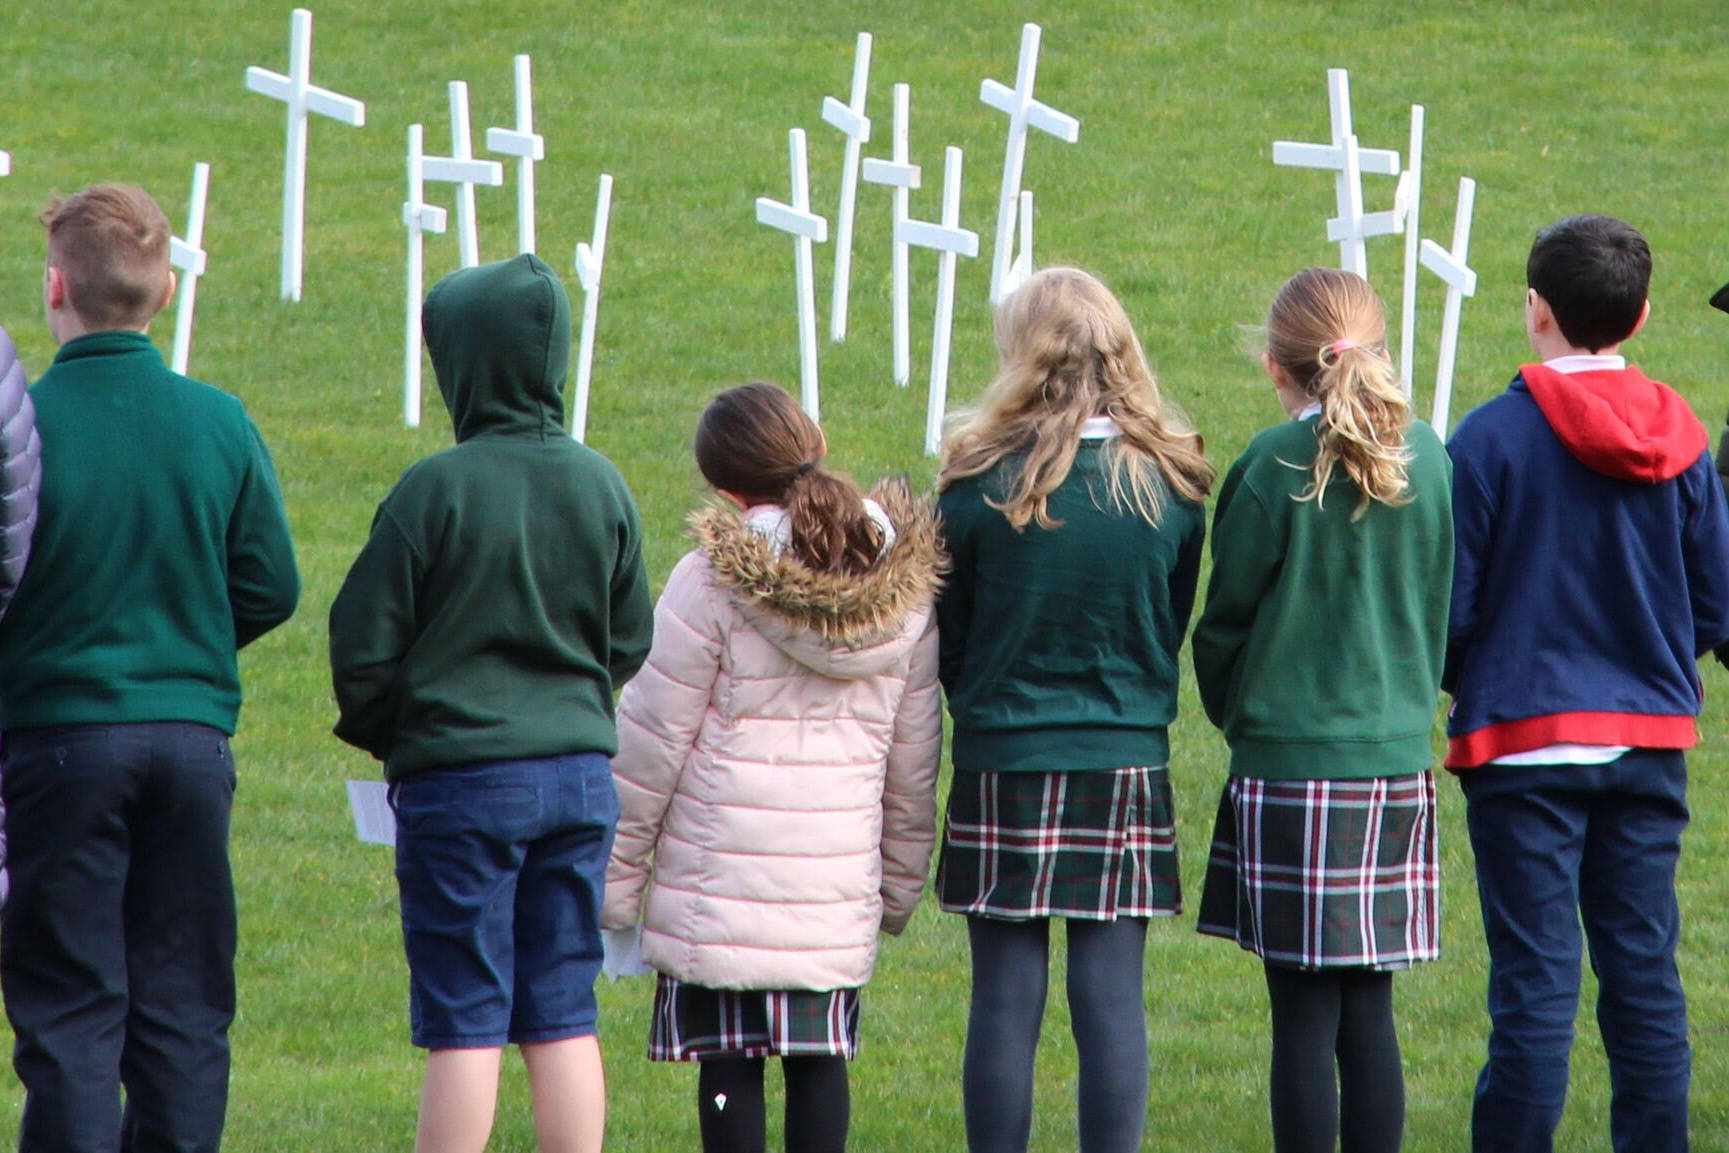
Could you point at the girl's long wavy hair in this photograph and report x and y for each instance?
(755, 441)
(1327, 332)
(1068, 353)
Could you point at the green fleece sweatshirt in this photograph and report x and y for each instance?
(501, 597)
(161, 547)
(1319, 649)
(1059, 646)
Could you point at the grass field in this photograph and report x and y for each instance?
(1170, 195)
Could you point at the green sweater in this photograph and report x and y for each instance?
(1059, 646)
(161, 547)
(501, 596)
(1319, 649)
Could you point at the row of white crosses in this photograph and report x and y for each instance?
(1353, 226)
(945, 236)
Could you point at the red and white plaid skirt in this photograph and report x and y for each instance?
(1325, 874)
(694, 1022)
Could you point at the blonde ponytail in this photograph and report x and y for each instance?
(1327, 331)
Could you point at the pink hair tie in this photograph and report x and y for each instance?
(1341, 345)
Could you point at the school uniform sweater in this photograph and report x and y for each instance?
(161, 547)
(1319, 649)
(1592, 569)
(1059, 646)
(501, 597)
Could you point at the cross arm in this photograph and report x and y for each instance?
(268, 83)
(336, 106)
(429, 217)
(841, 116)
(789, 219)
(185, 257)
(588, 266)
(1449, 268)
(510, 142)
(890, 173)
(1372, 161)
(923, 234)
(449, 170)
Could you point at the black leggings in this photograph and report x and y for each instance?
(730, 1105)
(1011, 962)
(1335, 1015)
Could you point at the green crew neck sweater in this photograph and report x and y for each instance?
(501, 597)
(1059, 646)
(1319, 649)
(161, 547)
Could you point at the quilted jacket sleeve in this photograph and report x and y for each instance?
(20, 470)
(659, 716)
(910, 790)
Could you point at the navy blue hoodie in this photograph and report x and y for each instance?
(1591, 569)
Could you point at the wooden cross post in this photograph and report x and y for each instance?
(1461, 282)
(421, 218)
(806, 228)
(901, 175)
(590, 262)
(850, 118)
(952, 241)
(1411, 194)
(465, 173)
(188, 256)
(1348, 229)
(528, 147)
(1022, 266)
(1023, 112)
(297, 91)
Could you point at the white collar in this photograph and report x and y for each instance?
(1586, 363)
(1100, 428)
(771, 522)
(1313, 409)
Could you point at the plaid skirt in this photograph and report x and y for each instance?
(1327, 874)
(1093, 846)
(693, 1022)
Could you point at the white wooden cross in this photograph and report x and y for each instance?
(188, 256)
(850, 118)
(901, 175)
(527, 146)
(1411, 194)
(421, 218)
(1023, 112)
(806, 227)
(1351, 227)
(1022, 266)
(465, 172)
(590, 262)
(951, 240)
(5, 163)
(297, 91)
(1461, 282)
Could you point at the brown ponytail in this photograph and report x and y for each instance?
(755, 441)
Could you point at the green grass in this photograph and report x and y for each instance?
(1170, 196)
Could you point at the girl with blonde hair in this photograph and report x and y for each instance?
(1071, 498)
(1319, 654)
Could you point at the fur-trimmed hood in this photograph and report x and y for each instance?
(840, 626)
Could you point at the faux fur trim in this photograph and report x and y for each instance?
(850, 610)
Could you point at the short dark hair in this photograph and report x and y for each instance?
(1594, 272)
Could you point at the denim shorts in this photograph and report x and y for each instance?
(501, 867)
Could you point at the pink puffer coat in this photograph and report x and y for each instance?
(777, 760)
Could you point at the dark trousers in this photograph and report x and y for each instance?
(1557, 845)
(117, 943)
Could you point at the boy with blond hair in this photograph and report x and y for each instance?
(1592, 569)
(161, 548)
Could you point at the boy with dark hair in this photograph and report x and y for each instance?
(1592, 570)
(160, 549)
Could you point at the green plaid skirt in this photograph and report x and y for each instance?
(693, 1022)
(1326, 874)
(1092, 845)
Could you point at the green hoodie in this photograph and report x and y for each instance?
(501, 597)
(1319, 649)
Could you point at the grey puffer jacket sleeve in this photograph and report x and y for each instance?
(20, 470)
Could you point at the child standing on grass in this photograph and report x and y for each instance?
(777, 770)
(1593, 569)
(1319, 654)
(475, 648)
(1071, 502)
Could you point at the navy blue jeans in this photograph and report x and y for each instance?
(1557, 845)
(117, 944)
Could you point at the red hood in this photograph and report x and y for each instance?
(1619, 422)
